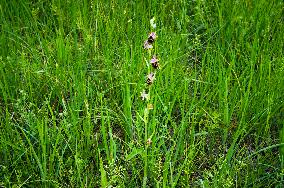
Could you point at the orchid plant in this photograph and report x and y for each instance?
(152, 65)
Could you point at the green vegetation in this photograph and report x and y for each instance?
(71, 77)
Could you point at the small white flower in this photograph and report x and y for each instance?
(144, 95)
(152, 23)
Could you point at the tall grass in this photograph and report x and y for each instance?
(71, 76)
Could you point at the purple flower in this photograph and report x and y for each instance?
(147, 45)
(152, 36)
(150, 78)
(154, 61)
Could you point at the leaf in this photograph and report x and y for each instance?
(103, 174)
(135, 151)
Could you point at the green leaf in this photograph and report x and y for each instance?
(135, 151)
(103, 174)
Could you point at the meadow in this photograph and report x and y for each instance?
(93, 94)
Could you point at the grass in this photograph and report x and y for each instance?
(71, 74)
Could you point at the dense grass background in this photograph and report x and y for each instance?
(71, 73)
